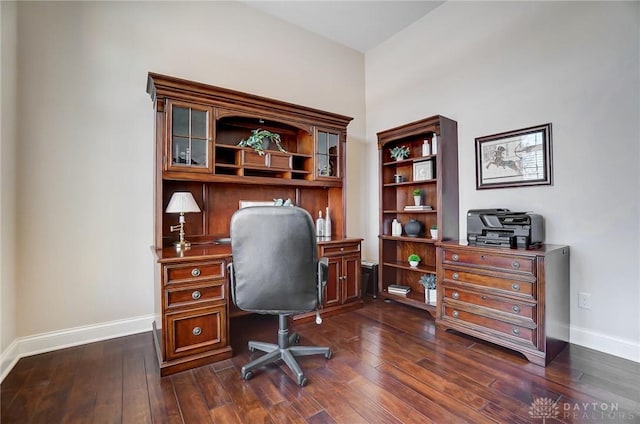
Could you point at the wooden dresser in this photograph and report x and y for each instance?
(515, 298)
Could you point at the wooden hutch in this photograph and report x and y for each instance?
(435, 174)
(197, 131)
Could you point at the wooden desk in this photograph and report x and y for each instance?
(193, 304)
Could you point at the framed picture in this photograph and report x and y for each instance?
(423, 170)
(514, 158)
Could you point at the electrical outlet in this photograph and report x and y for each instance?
(584, 300)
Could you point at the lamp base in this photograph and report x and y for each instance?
(182, 245)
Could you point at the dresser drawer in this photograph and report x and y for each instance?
(519, 309)
(338, 249)
(489, 260)
(193, 271)
(518, 333)
(498, 285)
(195, 294)
(194, 331)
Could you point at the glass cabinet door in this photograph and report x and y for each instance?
(327, 154)
(190, 147)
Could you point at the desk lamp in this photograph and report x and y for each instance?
(181, 202)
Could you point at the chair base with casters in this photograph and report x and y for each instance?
(286, 349)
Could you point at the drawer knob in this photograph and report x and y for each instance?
(515, 287)
(516, 309)
(455, 295)
(195, 272)
(455, 276)
(515, 264)
(342, 249)
(516, 331)
(455, 257)
(196, 331)
(455, 314)
(196, 295)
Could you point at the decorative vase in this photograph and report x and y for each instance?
(434, 234)
(430, 296)
(413, 228)
(417, 200)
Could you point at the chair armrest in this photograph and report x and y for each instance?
(323, 275)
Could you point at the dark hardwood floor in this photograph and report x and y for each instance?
(390, 365)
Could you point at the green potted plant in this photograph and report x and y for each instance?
(414, 260)
(400, 152)
(259, 140)
(434, 231)
(428, 281)
(417, 196)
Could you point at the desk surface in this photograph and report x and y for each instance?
(214, 250)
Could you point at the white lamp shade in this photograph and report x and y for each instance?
(182, 201)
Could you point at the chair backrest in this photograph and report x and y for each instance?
(275, 263)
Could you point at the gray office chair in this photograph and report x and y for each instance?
(275, 270)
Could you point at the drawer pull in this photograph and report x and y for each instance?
(196, 331)
(195, 272)
(455, 276)
(515, 331)
(455, 257)
(516, 309)
(342, 249)
(515, 287)
(455, 314)
(515, 264)
(455, 295)
(196, 295)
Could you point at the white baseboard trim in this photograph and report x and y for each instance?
(623, 348)
(47, 342)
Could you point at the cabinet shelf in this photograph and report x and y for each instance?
(391, 211)
(409, 160)
(413, 298)
(410, 239)
(403, 265)
(410, 183)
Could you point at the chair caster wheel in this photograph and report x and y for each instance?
(248, 375)
(303, 381)
(328, 355)
(252, 349)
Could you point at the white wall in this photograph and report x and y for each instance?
(499, 66)
(7, 175)
(85, 154)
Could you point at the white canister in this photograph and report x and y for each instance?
(426, 148)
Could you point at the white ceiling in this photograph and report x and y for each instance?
(360, 25)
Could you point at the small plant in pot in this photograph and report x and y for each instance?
(434, 231)
(417, 196)
(400, 152)
(259, 141)
(414, 260)
(428, 281)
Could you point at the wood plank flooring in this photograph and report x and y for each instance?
(390, 365)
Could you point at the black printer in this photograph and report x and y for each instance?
(501, 227)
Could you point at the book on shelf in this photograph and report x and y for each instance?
(418, 208)
(397, 293)
(398, 289)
